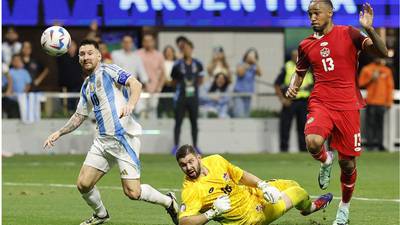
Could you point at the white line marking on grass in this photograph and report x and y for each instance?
(169, 189)
(74, 186)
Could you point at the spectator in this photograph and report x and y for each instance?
(21, 81)
(187, 74)
(70, 74)
(9, 105)
(20, 76)
(153, 62)
(37, 71)
(165, 105)
(218, 63)
(94, 32)
(292, 108)
(180, 43)
(377, 78)
(246, 74)
(105, 54)
(130, 61)
(11, 46)
(219, 103)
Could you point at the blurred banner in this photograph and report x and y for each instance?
(175, 13)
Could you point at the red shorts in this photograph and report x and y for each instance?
(342, 126)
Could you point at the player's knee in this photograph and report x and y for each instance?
(84, 187)
(133, 194)
(314, 143)
(347, 166)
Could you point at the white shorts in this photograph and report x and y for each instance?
(123, 150)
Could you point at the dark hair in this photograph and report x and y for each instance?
(326, 2)
(173, 50)
(248, 52)
(184, 150)
(181, 38)
(89, 42)
(214, 86)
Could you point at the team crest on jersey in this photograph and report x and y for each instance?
(226, 177)
(91, 87)
(310, 120)
(183, 207)
(325, 52)
(323, 44)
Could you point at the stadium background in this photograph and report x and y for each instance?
(273, 27)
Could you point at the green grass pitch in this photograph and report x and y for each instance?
(29, 199)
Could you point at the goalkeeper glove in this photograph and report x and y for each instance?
(271, 193)
(220, 205)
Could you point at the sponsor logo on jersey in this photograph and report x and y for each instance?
(325, 52)
(183, 207)
(124, 172)
(323, 44)
(310, 120)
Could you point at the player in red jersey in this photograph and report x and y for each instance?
(332, 54)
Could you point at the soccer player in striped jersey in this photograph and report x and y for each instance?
(215, 189)
(105, 92)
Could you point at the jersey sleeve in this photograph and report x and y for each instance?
(191, 202)
(118, 74)
(358, 37)
(83, 106)
(302, 63)
(234, 172)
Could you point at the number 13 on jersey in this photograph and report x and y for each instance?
(328, 64)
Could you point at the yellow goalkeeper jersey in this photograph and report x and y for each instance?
(247, 204)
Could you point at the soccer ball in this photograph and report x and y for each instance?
(55, 40)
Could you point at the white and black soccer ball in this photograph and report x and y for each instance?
(55, 40)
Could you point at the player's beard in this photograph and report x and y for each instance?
(196, 173)
(319, 28)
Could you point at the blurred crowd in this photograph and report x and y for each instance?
(195, 87)
(153, 68)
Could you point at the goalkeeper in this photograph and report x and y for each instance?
(214, 189)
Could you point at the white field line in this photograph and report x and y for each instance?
(169, 189)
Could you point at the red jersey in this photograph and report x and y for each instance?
(333, 59)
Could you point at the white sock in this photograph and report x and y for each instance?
(93, 199)
(328, 160)
(342, 204)
(149, 194)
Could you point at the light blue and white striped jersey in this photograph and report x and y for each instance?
(105, 93)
